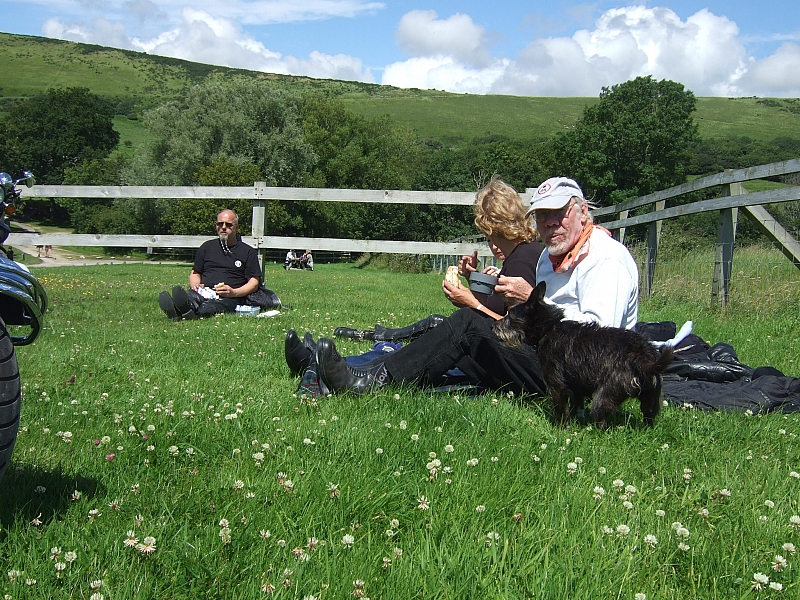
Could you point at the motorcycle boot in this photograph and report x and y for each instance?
(338, 376)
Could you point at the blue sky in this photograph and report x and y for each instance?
(554, 48)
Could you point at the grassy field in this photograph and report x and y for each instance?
(173, 460)
(452, 119)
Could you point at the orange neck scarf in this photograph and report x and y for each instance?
(563, 263)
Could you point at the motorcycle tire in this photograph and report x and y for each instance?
(10, 398)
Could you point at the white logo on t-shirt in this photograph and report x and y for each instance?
(238, 263)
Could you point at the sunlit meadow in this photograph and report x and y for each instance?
(174, 460)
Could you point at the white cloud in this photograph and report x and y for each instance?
(422, 34)
(703, 52)
(442, 73)
(100, 32)
(776, 75)
(201, 37)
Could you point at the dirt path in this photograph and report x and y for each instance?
(61, 257)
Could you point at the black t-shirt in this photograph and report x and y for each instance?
(520, 263)
(233, 269)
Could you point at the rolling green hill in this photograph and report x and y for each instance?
(136, 81)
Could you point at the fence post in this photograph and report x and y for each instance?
(726, 236)
(623, 214)
(260, 221)
(651, 251)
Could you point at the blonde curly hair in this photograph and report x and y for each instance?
(499, 210)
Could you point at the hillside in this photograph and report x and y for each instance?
(136, 81)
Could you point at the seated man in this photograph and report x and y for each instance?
(290, 260)
(588, 273)
(225, 272)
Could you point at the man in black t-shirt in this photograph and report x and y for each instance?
(225, 273)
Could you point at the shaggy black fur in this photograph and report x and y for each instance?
(580, 360)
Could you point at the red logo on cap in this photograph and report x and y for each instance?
(543, 189)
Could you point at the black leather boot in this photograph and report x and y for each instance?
(338, 376)
(166, 304)
(409, 332)
(354, 334)
(298, 355)
(385, 334)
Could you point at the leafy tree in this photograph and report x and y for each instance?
(197, 217)
(49, 134)
(240, 120)
(98, 215)
(353, 152)
(635, 141)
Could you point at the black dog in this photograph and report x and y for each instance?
(585, 359)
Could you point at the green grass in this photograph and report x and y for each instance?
(165, 394)
(453, 119)
(132, 131)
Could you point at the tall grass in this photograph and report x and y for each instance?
(190, 433)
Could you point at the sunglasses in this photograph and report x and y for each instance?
(560, 213)
(221, 224)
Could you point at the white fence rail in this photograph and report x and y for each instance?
(259, 194)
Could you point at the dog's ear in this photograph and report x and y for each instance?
(539, 291)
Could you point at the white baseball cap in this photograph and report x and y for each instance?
(554, 193)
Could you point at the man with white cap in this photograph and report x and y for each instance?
(588, 273)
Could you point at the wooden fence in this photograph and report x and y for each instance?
(616, 218)
(733, 197)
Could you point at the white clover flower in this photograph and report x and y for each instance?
(725, 493)
(651, 540)
(779, 563)
(607, 530)
(348, 540)
(759, 580)
(769, 504)
(472, 462)
(630, 489)
(480, 508)
(423, 503)
(414, 437)
(449, 448)
(774, 585)
(682, 533)
(378, 451)
(794, 521)
(572, 468)
(622, 530)
(788, 547)
(683, 547)
(628, 504)
(599, 492)
(618, 484)
(640, 596)
(225, 535)
(602, 470)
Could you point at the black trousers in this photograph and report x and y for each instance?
(466, 340)
(206, 308)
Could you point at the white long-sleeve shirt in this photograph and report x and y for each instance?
(602, 287)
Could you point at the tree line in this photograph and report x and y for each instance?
(641, 137)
